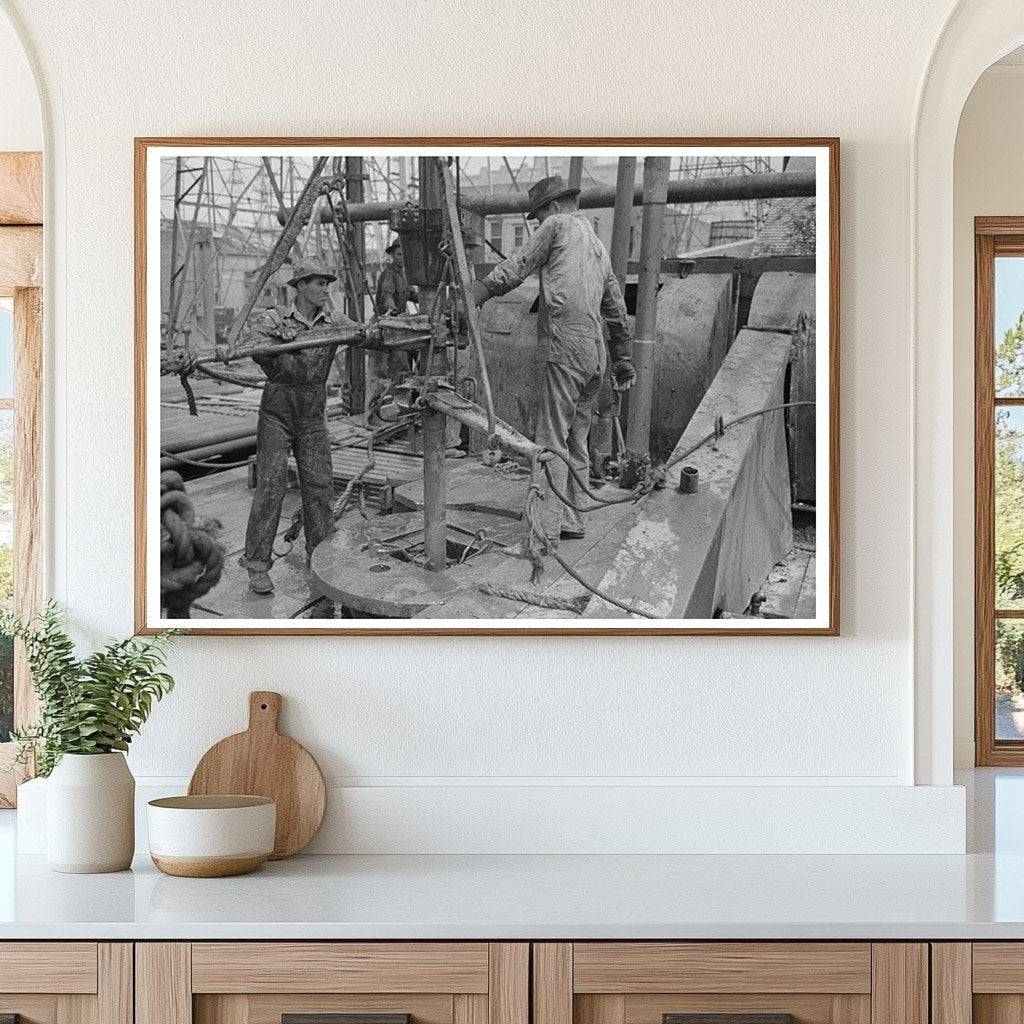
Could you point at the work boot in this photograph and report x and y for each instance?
(260, 581)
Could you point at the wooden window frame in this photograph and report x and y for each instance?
(21, 269)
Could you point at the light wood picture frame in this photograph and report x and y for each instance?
(673, 587)
(21, 269)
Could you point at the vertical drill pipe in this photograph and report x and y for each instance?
(354, 193)
(466, 286)
(608, 401)
(575, 172)
(434, 422)
(655, 194)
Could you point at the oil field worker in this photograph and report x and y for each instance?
(580, 295)
(292, 418)
(393, 290)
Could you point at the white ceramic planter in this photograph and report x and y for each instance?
(90, 814)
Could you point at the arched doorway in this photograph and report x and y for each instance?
(975, 35)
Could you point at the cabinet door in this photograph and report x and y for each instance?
(332, 983)
(732, 982)
(66, 982)
(981, 982)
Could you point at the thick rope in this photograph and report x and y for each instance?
(537, 531)
(200, 464)
(191, 558)
(563, 604)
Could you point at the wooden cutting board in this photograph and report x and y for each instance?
(262, 762)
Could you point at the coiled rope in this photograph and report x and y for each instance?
(191, 557)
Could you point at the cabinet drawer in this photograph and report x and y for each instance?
(731, 982)
(48, 967)
(635, 967)
(340, 967)
(261, 982)
(66, 982)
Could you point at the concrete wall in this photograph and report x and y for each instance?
(988, 181)
(413, 725)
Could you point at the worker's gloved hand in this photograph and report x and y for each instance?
(479, 293)
(623, 374)
(223, 353)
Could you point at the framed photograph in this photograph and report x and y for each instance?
(487, 386)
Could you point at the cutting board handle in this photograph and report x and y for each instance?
(264, 710)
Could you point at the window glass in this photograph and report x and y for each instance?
(1009, 493)
(1009, 327)
(1009, 679)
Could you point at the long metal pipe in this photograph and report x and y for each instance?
(622, 219)
(770, 185)
(655, 190)
(603, 430)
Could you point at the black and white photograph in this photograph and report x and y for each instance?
(483, 386)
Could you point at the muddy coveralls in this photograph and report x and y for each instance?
(579, 295)
(292, 419)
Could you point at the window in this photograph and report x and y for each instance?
(518, 236)
(494, 234)
(999, 491)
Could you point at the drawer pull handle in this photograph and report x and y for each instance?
(341, 1018)
(728, 1018)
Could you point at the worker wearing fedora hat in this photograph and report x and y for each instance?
(581, 299)
(292, 419)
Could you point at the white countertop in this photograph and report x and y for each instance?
(532, 897)
(978, 896)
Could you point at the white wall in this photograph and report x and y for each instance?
(446, 712)
(988, 181)
(21, 123)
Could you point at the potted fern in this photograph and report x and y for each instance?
(89, 710)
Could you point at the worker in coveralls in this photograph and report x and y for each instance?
(392, 295)
(580, 295)
(393, 290)
(292, 419)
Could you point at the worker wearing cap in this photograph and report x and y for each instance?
(292, 419)
(393, 290)
(580, 296)
(393, 293)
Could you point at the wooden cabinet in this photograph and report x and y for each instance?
(651, 982)
(66, 982)
(259, 982)
(980, 982)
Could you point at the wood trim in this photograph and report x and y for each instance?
(469, 1008)
(65, 967)
(21, 258)
(994, 236)
(552, 983)
(633, 967)
(832, 144)
(115, 983)
(21, 188)
(28, 499)
(984, 501)
(508, 987)
(339, 967)
(163, 983)
(999, 225)
(997, 967)
(599, 1009)
(899, 983)
(951, 983)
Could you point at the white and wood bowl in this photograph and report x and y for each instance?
(211, 836)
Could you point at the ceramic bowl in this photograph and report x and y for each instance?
(211, 836)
